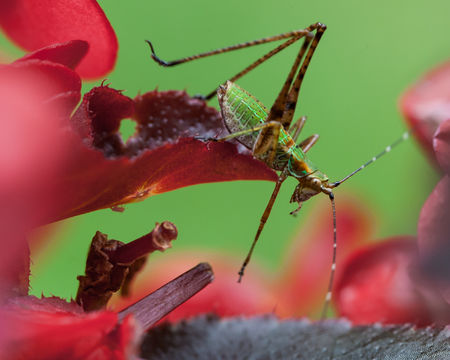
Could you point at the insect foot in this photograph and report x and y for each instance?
(206, 139)
(200, 97)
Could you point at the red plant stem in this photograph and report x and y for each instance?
(159, 239)
(153, 307)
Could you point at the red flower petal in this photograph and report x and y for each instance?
(375, 286)
(434, 234)
(299, 289)
(441, 144)
(154, 160)
(54, 329)
(427, 104)
(306, 273)
(224, 297)
(35, 24)
(97, 120)
(59, 86)
(69, 53)
(34, 94)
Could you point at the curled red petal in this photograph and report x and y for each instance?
(50, 78)
(434, 235)
(427, 104)
(68, 54)
(36, 24)
(307, 267)
(375, 285)
(97, 119)
(441, 144)
(114, 173)
(54, 329)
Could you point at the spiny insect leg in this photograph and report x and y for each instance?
(279, 106)
(262, 222)
(292, 37)
(271, 125)
(292, 98)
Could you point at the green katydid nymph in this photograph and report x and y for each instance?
(271, 134)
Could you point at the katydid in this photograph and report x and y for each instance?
(271, 135)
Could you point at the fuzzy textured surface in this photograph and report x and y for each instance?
(270, 338)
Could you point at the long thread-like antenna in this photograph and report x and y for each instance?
(387, 149)
(333, 262)
(404, 137)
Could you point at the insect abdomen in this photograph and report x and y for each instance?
(241, 111)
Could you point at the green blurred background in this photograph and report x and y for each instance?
(369, 55)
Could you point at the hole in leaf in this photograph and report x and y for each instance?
(127, 129)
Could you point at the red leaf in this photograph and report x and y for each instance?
(153, 161)
(36, 24)
(375, 285)
(51, 328)
(427, 104)
(441, 144)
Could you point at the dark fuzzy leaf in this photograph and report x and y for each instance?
(269, 338)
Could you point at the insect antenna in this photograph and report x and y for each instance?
(333, 262)
(387, 149)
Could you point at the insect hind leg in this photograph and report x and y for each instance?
(290, 103)
(289, 37)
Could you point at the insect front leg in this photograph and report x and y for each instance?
(233, 135)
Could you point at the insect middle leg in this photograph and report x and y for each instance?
(266, 142)
(308, 143)
(262, 222)
(295, 130)
(297, 127)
